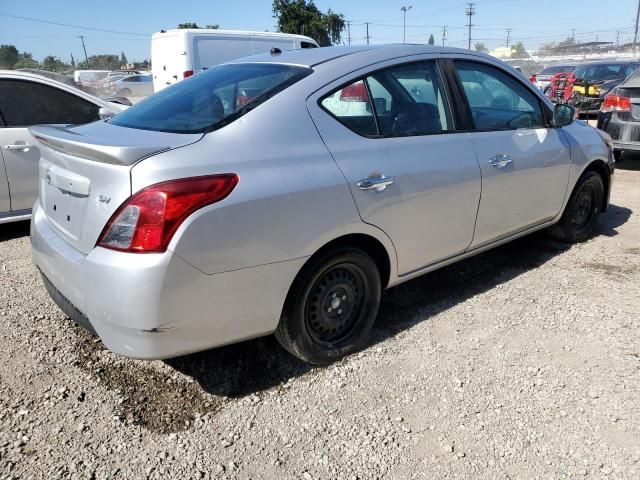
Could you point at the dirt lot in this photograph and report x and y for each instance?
(523, 362)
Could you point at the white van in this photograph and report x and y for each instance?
(89, 79)
(178, 54)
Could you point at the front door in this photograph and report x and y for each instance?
(525, 164)
(391, 133)
(24, 103)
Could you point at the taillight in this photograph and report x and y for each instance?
(533, 79)
(616, 103)
(187, 73)
(356, 92)
(146, 222)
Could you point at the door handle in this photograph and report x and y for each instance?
(500, 161)
(378, 184)
(25, 147)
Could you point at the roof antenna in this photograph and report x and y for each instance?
(275, 51)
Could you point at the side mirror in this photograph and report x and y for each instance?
(563, 115)
(105, 113)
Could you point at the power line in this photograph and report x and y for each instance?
(73, 26)
(470, 12)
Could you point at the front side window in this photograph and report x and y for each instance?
(211, 99)
(497, 100)
(24, 103)
(401, 101)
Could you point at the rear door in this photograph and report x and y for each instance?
(524, 163)
(391, 132)
(24, 103)
(211, 50)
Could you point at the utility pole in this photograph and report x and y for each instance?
(635, 37)
(404, 10)
(573, 33)
(86, 58)
(367, 37)
(444, 34)
(470, 12)
(509, 30)
(348, 22)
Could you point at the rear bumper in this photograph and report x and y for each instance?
(625, 135)
(153, 306)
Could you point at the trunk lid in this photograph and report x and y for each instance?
(85, 174)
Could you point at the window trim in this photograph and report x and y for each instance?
(471, 128)
(445, 92)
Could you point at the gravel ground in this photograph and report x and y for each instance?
(523, 362)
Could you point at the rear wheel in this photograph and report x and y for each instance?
(331, 307)
(125, 92)
(582, 211)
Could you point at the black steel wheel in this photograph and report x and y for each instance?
(331, 307)
(582, 210)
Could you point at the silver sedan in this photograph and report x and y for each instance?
(282, 193)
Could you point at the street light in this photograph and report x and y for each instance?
(404, 23)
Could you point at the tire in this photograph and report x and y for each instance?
(582, 211)
(125, 92)
(331, 307)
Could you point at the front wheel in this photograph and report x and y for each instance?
(582, 211)
(331, 307)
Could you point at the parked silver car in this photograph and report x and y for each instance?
(27, 99)
(282, 193)
(134, 86)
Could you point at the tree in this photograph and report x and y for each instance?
(481, 47)
(8, 56)
(304, 18)
(518, 51)
(432, 40)
(25, 60)
(101, 62)
(53, 64)
(123, 59)
(213, 26)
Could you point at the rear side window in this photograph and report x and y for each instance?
(211, 99)
(24, 103)
(497, 100)
(407, 100)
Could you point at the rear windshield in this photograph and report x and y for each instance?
(557, 69)
(211, 99)
(599, 72)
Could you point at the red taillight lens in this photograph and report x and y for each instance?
(187, 74)
(533, 79)
(356, 92)
(146, 222)
(616, 103)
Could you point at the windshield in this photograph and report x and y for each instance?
(599, 72)
(211, 99)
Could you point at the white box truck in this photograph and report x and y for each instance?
(178, 54)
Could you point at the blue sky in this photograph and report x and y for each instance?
(532, 21)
